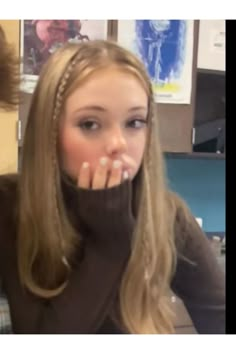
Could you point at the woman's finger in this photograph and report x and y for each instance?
(115, 176)
(100, 174)
(84, 176)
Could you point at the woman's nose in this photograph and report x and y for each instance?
(116, 143)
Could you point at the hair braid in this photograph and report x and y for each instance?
(56, 114)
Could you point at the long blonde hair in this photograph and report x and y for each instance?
(45, 233)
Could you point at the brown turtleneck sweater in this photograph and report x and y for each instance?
(87, 301)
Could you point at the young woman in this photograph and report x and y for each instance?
(91, 239)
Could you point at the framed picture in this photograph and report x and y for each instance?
(41, 38)
(166, 49)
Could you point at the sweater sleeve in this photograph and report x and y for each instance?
(93, 284)
(199, 280)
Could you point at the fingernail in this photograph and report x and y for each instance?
(103, 161)
(85, 165)
(125, 175)
(116, 164)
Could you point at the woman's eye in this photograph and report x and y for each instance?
(89, 125)
(137, 123)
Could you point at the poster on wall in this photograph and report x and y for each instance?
(41, 38)
(166, 49)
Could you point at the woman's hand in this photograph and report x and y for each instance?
(107, 174)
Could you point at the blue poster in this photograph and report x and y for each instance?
(166, 49)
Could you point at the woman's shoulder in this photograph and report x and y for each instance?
(185, 226)
(191, 242)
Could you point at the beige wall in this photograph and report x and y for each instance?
(8, 121)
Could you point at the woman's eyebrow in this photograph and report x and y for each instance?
(91, 107)
(102, 109)
(137, 108)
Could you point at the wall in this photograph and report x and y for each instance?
(8, 121)
(201, 183)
